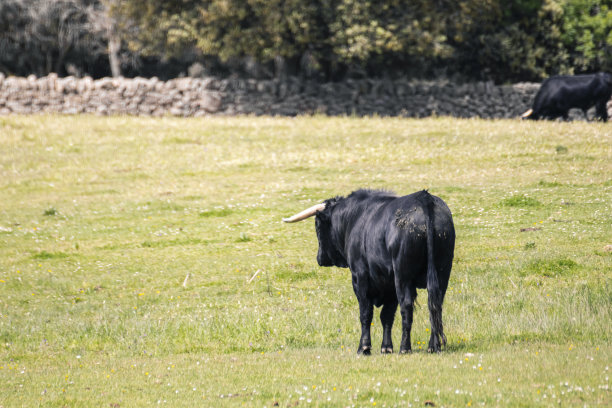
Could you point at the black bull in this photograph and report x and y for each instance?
(559, 94)
(392, 245)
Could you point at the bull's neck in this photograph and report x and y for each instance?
(346, 216)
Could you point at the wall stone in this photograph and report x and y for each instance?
(236, 96)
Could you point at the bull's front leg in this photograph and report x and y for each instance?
(366, 311)
(565, 116)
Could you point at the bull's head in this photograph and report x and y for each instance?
(329, 253)
(527, 115)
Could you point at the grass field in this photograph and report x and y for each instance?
(143, 262)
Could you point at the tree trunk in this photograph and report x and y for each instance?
(114, 45)
(280, 68)
(59, 64)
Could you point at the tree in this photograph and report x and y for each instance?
(478, 39)
(12, 35)
(587, 34)
(516, 40)
(42, 36)
(393, 32)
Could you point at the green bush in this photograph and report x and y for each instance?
(493, 40)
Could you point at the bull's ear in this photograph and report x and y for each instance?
(324, 215)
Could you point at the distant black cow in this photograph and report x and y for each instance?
(393, 245)
(559, 94)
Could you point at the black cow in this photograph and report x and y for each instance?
(559, 94)
(393, 245)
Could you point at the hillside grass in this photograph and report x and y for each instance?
(143, 262)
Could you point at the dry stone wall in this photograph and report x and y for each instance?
(214, 96)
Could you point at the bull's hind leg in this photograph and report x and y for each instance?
(406, 295)
(437, 338)
(601, 110)
(387, 315)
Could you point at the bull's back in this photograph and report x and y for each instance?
(443, 219)
(392, 237)
(407, 235)
(410, 214)
(407, 238)
(444, 238)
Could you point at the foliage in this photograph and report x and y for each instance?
(392, 33)
(233, 29)
(41, 36)
(484, 40)
(512, 40)
(587, 33)
(152, 27)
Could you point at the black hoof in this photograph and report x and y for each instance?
(386, 350)
(407, 351)
(366, 350)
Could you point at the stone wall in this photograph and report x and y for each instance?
(213, 96)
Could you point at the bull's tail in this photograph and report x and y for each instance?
(435, 297)
(527, 114)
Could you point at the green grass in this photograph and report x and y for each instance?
(520, 201)
(143, 262)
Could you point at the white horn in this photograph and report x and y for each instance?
(309, 212)
(527, 114)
